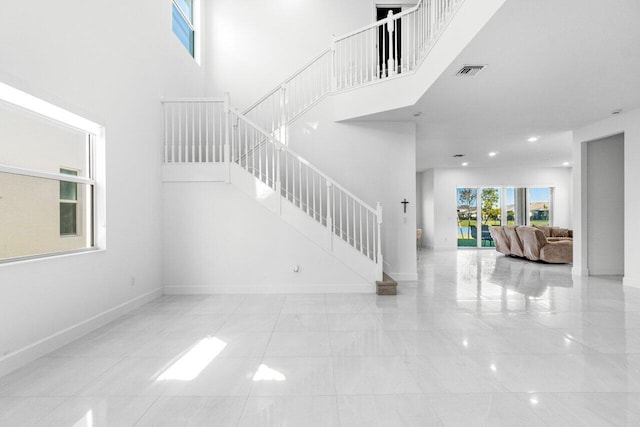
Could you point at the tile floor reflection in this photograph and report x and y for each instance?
(480, 339)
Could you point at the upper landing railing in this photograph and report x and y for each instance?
(385, 49)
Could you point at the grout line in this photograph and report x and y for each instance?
(244, 406)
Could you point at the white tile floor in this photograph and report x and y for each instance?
(480, 339)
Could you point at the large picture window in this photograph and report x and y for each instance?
(47, 178)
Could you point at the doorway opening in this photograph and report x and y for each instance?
(605, 206)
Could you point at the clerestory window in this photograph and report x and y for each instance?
(183, 24)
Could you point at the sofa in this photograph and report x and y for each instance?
(533, 243)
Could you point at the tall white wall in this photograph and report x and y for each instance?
(627, 123)
(110, 62)
(254, 45)
(442, 190)
(376, 162)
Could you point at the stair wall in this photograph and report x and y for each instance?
(376, 161)
(218, 239)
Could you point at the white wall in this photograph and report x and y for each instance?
(419, 215)
(218, 240)
(605, 205)
(254, 45)
(376, 162)
(425, 198)
(442, 190)
(110, 62)
(627, 123)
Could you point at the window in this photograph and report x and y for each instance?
(68, 205)
(46, 208)
(539, 206)
(498, 206)
(182, 23)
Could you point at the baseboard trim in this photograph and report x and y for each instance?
(577, 271)
(271, 289)
(25, 355)
(632, 283)
(404, 277)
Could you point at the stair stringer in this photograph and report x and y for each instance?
(304, 224)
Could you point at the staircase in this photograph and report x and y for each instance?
(253, 148)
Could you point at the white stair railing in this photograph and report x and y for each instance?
(393, 46)
(194, 130)
(306, 187)
(293, 96)
(209, 130)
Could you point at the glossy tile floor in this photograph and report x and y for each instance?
(480, 339)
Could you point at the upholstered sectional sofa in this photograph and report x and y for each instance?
(549, 244)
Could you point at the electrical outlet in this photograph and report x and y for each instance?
(132, 281)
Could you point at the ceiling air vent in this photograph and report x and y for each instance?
(470, 70)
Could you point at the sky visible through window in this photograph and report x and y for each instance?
(535, 194)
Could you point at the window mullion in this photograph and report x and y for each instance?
(46, 175)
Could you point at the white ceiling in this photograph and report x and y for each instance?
(552, 66)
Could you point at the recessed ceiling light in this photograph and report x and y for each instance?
(465, 164)
(565, 164)
(458, 155)
(492, 154)
(533, 139)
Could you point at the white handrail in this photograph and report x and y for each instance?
(283, 147)
(290, 78)
(194, 99)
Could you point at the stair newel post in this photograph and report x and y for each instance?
(227, 127)
(333, 65)
(329, 216)
(379, 255)
(391, 68)
(279, 150)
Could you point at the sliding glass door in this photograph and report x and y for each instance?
(491, 211)
(467, 216)
(479, 208)
(539, 206)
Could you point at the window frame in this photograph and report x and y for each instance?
(95, 208)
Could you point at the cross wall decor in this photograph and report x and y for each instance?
(405, 202)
